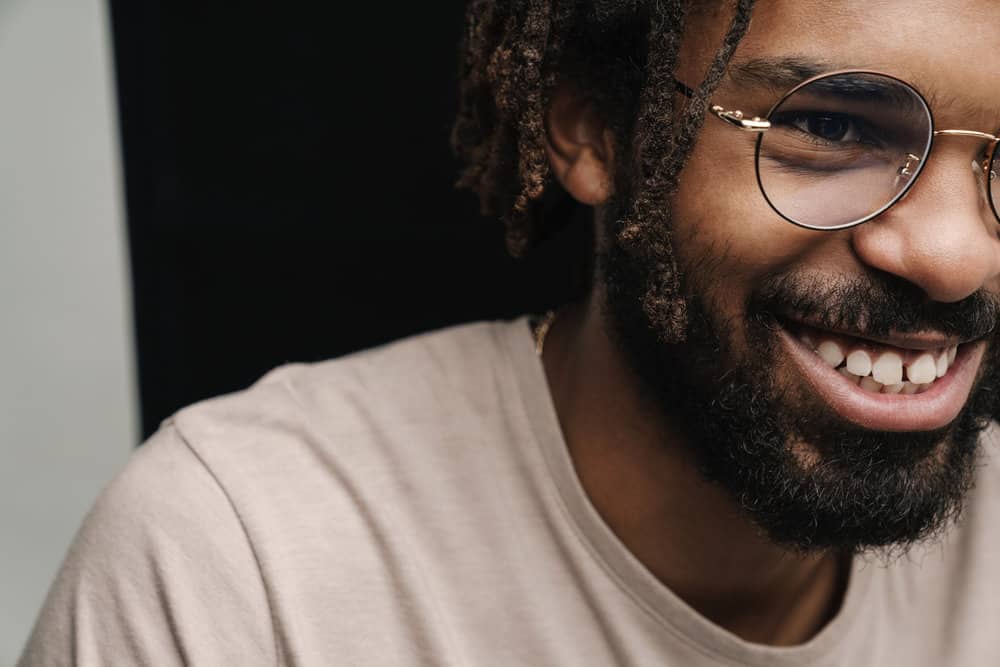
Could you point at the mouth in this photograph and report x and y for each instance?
(900, 383)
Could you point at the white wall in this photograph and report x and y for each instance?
(68, 412)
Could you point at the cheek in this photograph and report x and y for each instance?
(727, 237)
(719, 213)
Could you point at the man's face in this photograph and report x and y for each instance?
(817, 459)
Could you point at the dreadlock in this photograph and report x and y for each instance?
(622, 55)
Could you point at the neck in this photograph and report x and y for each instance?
(637, 470)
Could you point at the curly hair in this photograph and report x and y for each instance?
(620, 54)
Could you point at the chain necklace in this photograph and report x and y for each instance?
(542, 330)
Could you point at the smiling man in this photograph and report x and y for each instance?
(763, 438)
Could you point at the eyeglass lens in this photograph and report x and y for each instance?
(843, 148)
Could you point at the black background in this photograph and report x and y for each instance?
(290, 190)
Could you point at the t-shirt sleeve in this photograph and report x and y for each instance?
(160, 573)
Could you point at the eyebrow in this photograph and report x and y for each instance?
(782, 74)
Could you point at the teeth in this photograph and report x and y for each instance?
(885, 373)
(923, 370)
(831, 353)
(849, 375)
(942, 363)
(868, 384)
(859, 363)
(888, 369)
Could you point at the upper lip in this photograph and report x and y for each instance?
(925, 340)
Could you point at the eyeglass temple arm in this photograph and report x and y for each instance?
(735, 118)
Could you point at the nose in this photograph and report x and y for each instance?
(942, 237)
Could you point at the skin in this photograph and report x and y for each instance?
(634, 464)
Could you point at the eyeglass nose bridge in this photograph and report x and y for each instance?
(913, 160)
(968, 133)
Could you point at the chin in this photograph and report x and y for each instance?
(807, 476)
(814, 481)
(814, 458)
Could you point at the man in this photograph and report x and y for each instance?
(763, 438)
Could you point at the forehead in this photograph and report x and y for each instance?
(950, 50)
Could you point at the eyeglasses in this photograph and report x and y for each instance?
(841, 148)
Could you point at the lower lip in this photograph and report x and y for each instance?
(933, 409)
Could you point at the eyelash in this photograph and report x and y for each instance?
(790, 120)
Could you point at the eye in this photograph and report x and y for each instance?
(829, 127)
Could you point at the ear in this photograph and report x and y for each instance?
(580, 147)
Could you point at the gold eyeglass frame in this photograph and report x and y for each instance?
(911, 169)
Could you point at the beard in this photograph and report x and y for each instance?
(808, 479)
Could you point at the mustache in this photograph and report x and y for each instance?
(874, 305)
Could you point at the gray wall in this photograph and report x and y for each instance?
(67, 397)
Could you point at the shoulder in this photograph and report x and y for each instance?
(160, 568)
(236, 502)
(389, 427)
(425, 384)
(456, 360)
(348, 475)
(150, 507)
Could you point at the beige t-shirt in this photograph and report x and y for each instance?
(416, 505)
